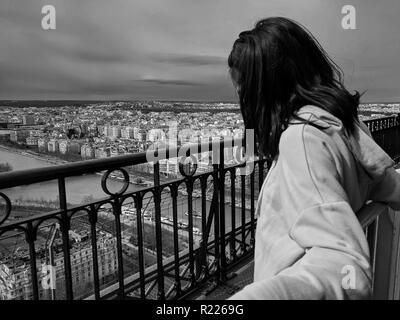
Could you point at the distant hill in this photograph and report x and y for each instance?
(44, 103)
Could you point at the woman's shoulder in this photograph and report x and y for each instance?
(312, 126)
(311, 157)
(304, 136)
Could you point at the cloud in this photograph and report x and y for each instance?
(103, 49)
(171, 82)
(189, 59)
(91, 56)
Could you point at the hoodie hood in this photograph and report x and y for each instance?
(365, 150)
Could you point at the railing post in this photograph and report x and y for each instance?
(204, 233)
(216, 183)
(243, 211)
(221, 187)
(93, 221)
(394, 289)
(189, 186)
(252, 195)
(117, 214)
(233, 215)
(174, 195)
(138, 204)
(65, 227)
(31, 238)
(157, 203)
(384, 240)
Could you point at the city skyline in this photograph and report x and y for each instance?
(145, 50)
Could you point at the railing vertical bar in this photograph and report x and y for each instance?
(204, 234)
(222, 208)
(96, 280)
(252, 196)
(216, 223)
(118, 231)
(31, 237)
(372, 243)
(157, 204)
(233, 215)
(261, 174)
(65, 227)
(190, 225)
(243, 198)
(138, 203)
(174, 194)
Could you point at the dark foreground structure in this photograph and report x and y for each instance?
(173, 239)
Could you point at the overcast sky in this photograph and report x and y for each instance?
(177, 49)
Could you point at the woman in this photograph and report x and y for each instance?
(325, 167)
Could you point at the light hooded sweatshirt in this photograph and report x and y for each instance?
(308, 235)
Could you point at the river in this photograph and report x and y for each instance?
(78, 188)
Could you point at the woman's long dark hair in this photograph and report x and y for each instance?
(279, 67)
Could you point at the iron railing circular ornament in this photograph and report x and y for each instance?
(105, 177)
(183, 166)
(241, 163)
(7, 208)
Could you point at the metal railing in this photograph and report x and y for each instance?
(170, 247)
(382, 227)
(387, 134)
(184, 256)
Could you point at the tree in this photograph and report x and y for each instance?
(138, 180)
(5, 167)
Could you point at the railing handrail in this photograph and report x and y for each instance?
(29, 176)
(369, 212)
(381, 118)
(381, 224)
(379, 123)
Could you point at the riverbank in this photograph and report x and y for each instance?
(53, 160)
(34, 155)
